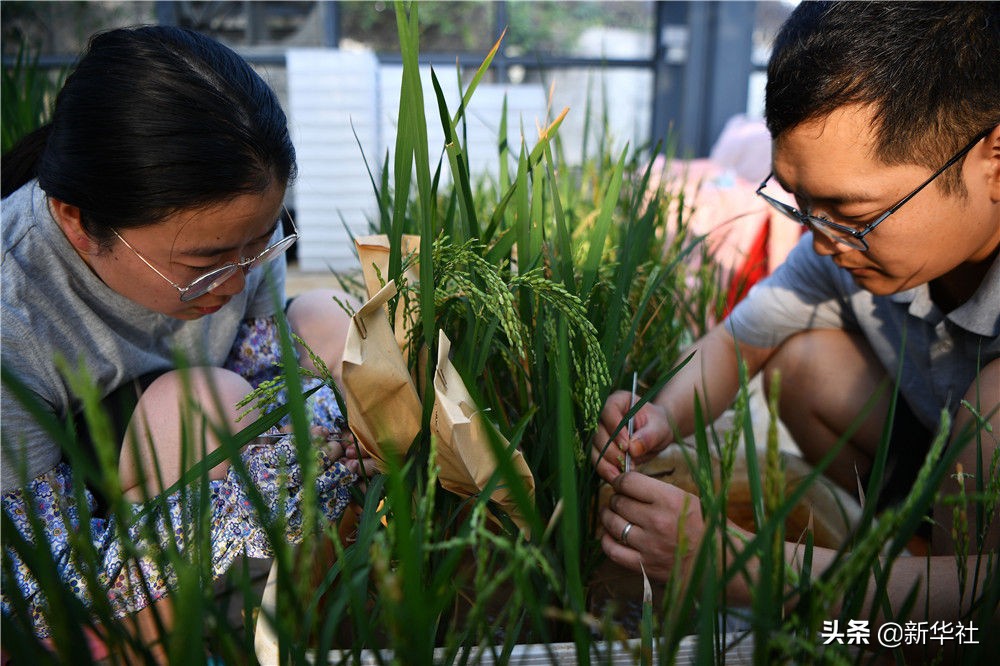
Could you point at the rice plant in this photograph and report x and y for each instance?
(28, 91)
(555, 285)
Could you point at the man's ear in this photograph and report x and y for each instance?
(993, 172)
(68, 217)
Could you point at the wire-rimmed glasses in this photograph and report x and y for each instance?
(206, 282)
(854, 238)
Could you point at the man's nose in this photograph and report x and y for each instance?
(825, 246)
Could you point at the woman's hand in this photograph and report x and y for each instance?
(339, 445)
(358, 461)
(656, 511)
(342, 446)
(651, 434)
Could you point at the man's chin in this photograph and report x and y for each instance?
(876, 283)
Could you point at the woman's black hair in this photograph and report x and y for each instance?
(153, 120)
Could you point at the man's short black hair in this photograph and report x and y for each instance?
(929, 70)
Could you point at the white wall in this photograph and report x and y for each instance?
(332, 96)
(331, 90)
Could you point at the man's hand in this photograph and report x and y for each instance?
(651, 434)
(661, 525)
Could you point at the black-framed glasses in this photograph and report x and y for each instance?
(854, 238)
(205, 283)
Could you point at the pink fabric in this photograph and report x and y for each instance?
(744, 147)
(746, 238)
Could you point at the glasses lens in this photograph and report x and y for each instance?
(788, 211)
(835, 233)
(274, 251)
(214, 279)
(829, 229)
(853, 243)
(208, 282)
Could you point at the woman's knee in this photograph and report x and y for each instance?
(180, 418)
(209, 393)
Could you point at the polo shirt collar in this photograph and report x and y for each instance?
(980, 314)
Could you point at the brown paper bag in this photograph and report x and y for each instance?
(464, 452)
(373, 252)
(383, 408)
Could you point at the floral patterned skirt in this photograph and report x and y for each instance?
(130, 572)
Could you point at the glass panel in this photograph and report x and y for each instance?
(580, 29)
(242, 24)
(769, 15)
(63, 28)
(534, 28)
(455, 27)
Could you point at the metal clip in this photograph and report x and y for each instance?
(360, 324)
(631, 420)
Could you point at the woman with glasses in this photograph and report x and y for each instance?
(143, 243)
(885, 120)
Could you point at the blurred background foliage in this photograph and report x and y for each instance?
(534, 27)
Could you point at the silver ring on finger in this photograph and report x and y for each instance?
(624, 535)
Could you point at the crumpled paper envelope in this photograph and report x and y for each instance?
(465, 455)
(383, 408)
(373, 252)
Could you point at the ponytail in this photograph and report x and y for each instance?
(19, 165)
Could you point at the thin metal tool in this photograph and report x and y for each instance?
(631, 420)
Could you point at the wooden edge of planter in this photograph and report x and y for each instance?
(739, 650)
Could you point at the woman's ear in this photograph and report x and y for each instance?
(68, 217)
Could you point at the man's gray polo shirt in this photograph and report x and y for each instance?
(943, 351)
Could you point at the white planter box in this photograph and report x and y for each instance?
(563, 654)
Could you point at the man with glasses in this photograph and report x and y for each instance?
(885, 119)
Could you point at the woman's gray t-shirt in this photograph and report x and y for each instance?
(55, 307)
